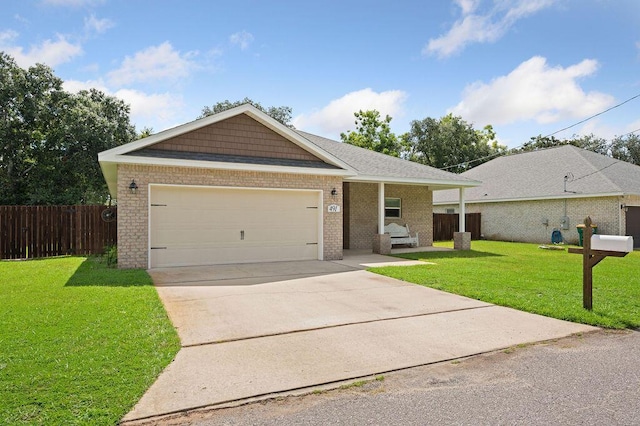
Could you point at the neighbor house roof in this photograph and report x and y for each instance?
(561, 172)
(338, 159)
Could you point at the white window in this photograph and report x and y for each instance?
(392, 208)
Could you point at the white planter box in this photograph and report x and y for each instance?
(612, 243)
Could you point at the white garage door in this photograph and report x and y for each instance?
(211, 226)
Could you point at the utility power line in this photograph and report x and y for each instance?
(551, 134)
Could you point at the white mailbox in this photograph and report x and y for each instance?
(612, 243)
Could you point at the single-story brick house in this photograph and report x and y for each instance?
(239, 186)
(524, 197)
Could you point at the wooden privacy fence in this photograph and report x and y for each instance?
(28, 232)
(445, 224)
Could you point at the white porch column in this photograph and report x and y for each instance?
(381, 208)
(461, 221)
(381, 241)
(462, 239)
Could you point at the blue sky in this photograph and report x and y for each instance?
(527, 67)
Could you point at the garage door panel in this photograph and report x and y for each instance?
(227, 255)
(204, 226)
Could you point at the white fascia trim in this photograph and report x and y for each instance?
(248, 109)
(412, 181)
(550, 197)
(219, 165)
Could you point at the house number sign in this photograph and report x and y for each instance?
(333, 208)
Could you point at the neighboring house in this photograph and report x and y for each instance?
(239, 187)
(524, 197)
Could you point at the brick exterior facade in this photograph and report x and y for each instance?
(361, 212)
(133, 215)
(534, 221)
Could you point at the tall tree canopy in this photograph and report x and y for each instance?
(626, 148)
(50, 139)
(588, 142)
(283, 114)
(373, 133)
(451, 143)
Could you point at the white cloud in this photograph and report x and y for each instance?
(95, 25)
(482, 27)
(160, 62)
(153, 107)
(338, 116)
(74, 86)
(533, 91)
(467, 6)
(7, 36)
(49, 52)
(146, 108)
(242, 39)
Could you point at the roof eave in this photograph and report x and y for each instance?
(109, 166)
(440, 183)
(548, 197)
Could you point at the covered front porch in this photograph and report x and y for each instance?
(370, 206)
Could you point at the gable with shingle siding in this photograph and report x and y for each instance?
(238, 136)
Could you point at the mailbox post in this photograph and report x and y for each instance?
(593, 251)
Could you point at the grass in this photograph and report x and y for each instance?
(525, 277)
(80, 342)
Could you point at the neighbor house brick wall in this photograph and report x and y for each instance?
(523, 220)
(629, 200)
(133, 218)
(362, 212)
(239, 135)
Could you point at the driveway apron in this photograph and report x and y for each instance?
(254, 331)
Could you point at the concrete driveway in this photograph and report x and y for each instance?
(255, 331)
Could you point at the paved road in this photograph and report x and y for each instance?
(589, 379)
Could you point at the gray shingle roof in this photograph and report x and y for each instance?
(226, 158)
(370, 163)
(541, 174)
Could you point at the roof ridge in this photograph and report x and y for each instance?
(614, 161)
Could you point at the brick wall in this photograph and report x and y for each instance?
(239, 135)
(362, 212)
(133, 218)
(524, 220)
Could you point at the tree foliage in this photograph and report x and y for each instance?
(626, 148)
(451, 143)
(50, 139)
(373, 133)
(589, 142)
(283, 114)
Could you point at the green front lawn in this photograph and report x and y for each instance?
(79, 343)
(525, 277)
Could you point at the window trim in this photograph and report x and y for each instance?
(399, 208)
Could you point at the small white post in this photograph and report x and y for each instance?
(381, 208)
(461, 221)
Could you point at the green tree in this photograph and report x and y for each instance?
(626, 148)
(373, 133)
(145, 132)
(283, 114)
(451, 143)
(50, 139)
(589, 142)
